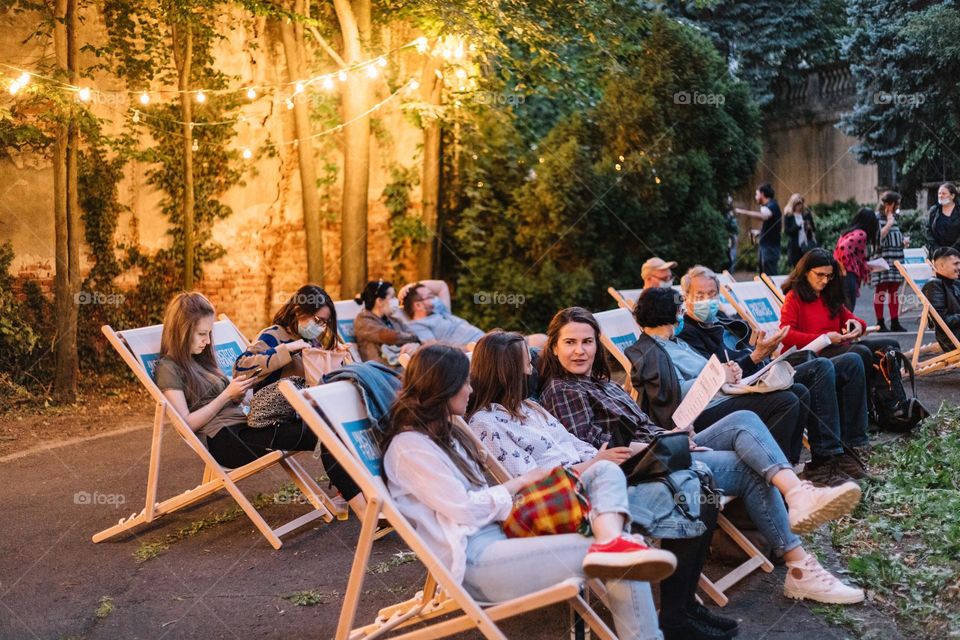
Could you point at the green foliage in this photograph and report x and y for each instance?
(903, 540)
(640, 174)
(405, 227)
(900, 51)
(20, 343)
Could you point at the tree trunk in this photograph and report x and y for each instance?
(183, 58)
(430, 90)
(354, 19)
(66, 214)
(293, 49)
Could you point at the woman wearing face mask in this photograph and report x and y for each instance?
(380, 335)
(307, 319)
(665, 368)
(943, 227)
(745, 461)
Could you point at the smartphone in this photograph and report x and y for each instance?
(851, 326)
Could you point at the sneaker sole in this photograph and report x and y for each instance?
(802, 594)
(655, 566)
(841, 505)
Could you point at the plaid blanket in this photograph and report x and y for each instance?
(552, 505)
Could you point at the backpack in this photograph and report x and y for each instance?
(893, 410)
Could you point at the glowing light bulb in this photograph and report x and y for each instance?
(24, 79)
(382, 61)
(617, 166)
(422, 44)
(372, 71)
(247, 154)
(201, 96)
(144, 98)
(289, 103)
(84, 94)
(14, 87)
(252, 93)
(342, 76)
(196, 145)
(298, 88)
(136, 117)
(414, 85)
(328, 83)
(461, 73)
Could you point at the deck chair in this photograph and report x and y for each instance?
(140, 350)
(617, 332)
(774, 283)
(337, 415)
(347, 312)
(756, 303)
(626, 298)
(439, 287)
(915, 256)
(916, 275)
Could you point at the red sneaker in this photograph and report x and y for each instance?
(624, 559)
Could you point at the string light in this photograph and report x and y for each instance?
(382, 61)
(14, 87)
(372, 71)
(196, 145)
(414, 85)
(342, 76)
(289, 103)
(421, 44)
(298, 88)
(247, 154)
(327, 84)
(84, 94)
(144, 98)
(136, 116)
(201, 96)
(252, 93)
(24, 79)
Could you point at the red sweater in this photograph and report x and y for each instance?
(810, 320)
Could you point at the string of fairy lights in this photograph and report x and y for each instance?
(136, 101)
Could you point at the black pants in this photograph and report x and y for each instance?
(237, 445)
(784, 412)
(864, 348)
(678, 592)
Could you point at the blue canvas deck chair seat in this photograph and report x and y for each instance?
(916, 275)
(140, 350)
(347, 312)
(335, 412)
(756, 303)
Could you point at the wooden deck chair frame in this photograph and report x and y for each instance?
(442, 594)
(623, 301)
(616, 344)
(767, 294)
(755, 559)
(215, 477)
(942, 361)
(767, 280)
(348, 339)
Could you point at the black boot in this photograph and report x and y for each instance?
(687, 627)
(896, 326)
(703, 614)
(882, 325)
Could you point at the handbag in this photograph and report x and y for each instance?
(893, 409)
(553, 504)
(269, 408)
(777, 378)
(319, 362)
(667, 452)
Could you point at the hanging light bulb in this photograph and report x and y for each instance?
(298, 88)
(657, 179)
(342, 76)
(136, 116)
(617, 166)
(422, 44)
(252, 93)
(414, 85)
(201, 96)
(289, 103)
(461, 73)
(382, 61)
(144, 98)
(24, 79)
(14, 87)
(372, 71)
(196, 145)
(84, 94)
(247, 154)
(328, 83)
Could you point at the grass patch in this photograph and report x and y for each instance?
(104, 608)
(398, 559)
(903, 540)
(150, 549)
(311, 597)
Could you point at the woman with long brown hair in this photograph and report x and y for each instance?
(433, 472)
(188, 375)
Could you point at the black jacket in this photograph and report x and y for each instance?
(944, 296)
(655, 380)
(707, 340)
(942, 231)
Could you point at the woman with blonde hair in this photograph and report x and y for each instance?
(188, 375)
(799, 229)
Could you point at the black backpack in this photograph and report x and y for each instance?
(893, 410)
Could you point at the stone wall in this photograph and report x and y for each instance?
(264, 237)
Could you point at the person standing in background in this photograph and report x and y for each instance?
(890, 249)
(733, 232)
(943, 227)
(857, 240)
(799, 229)
(769, 241)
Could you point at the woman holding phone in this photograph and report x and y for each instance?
(814, 307)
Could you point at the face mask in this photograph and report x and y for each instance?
(394, 305)
(677, 329)
(943, 201)
(440, 307)
(666, 284)
(311, 329)
(706, 310)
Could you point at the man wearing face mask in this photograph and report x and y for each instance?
(657, 273)
(836, 386)
(431, 321)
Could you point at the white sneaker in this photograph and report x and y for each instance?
(807, 580)
(812, 506)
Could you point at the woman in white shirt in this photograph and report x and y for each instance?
(523, 436)
(433, 473)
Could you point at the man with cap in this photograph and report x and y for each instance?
(657, 273)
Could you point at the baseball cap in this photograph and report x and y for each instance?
(654, 264)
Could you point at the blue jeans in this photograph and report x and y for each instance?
(838, 403)
(501, 568)
(606, 488)
(768, 259)
(744, 460)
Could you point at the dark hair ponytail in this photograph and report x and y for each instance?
(374, 290)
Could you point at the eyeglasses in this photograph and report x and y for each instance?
(822, 276)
